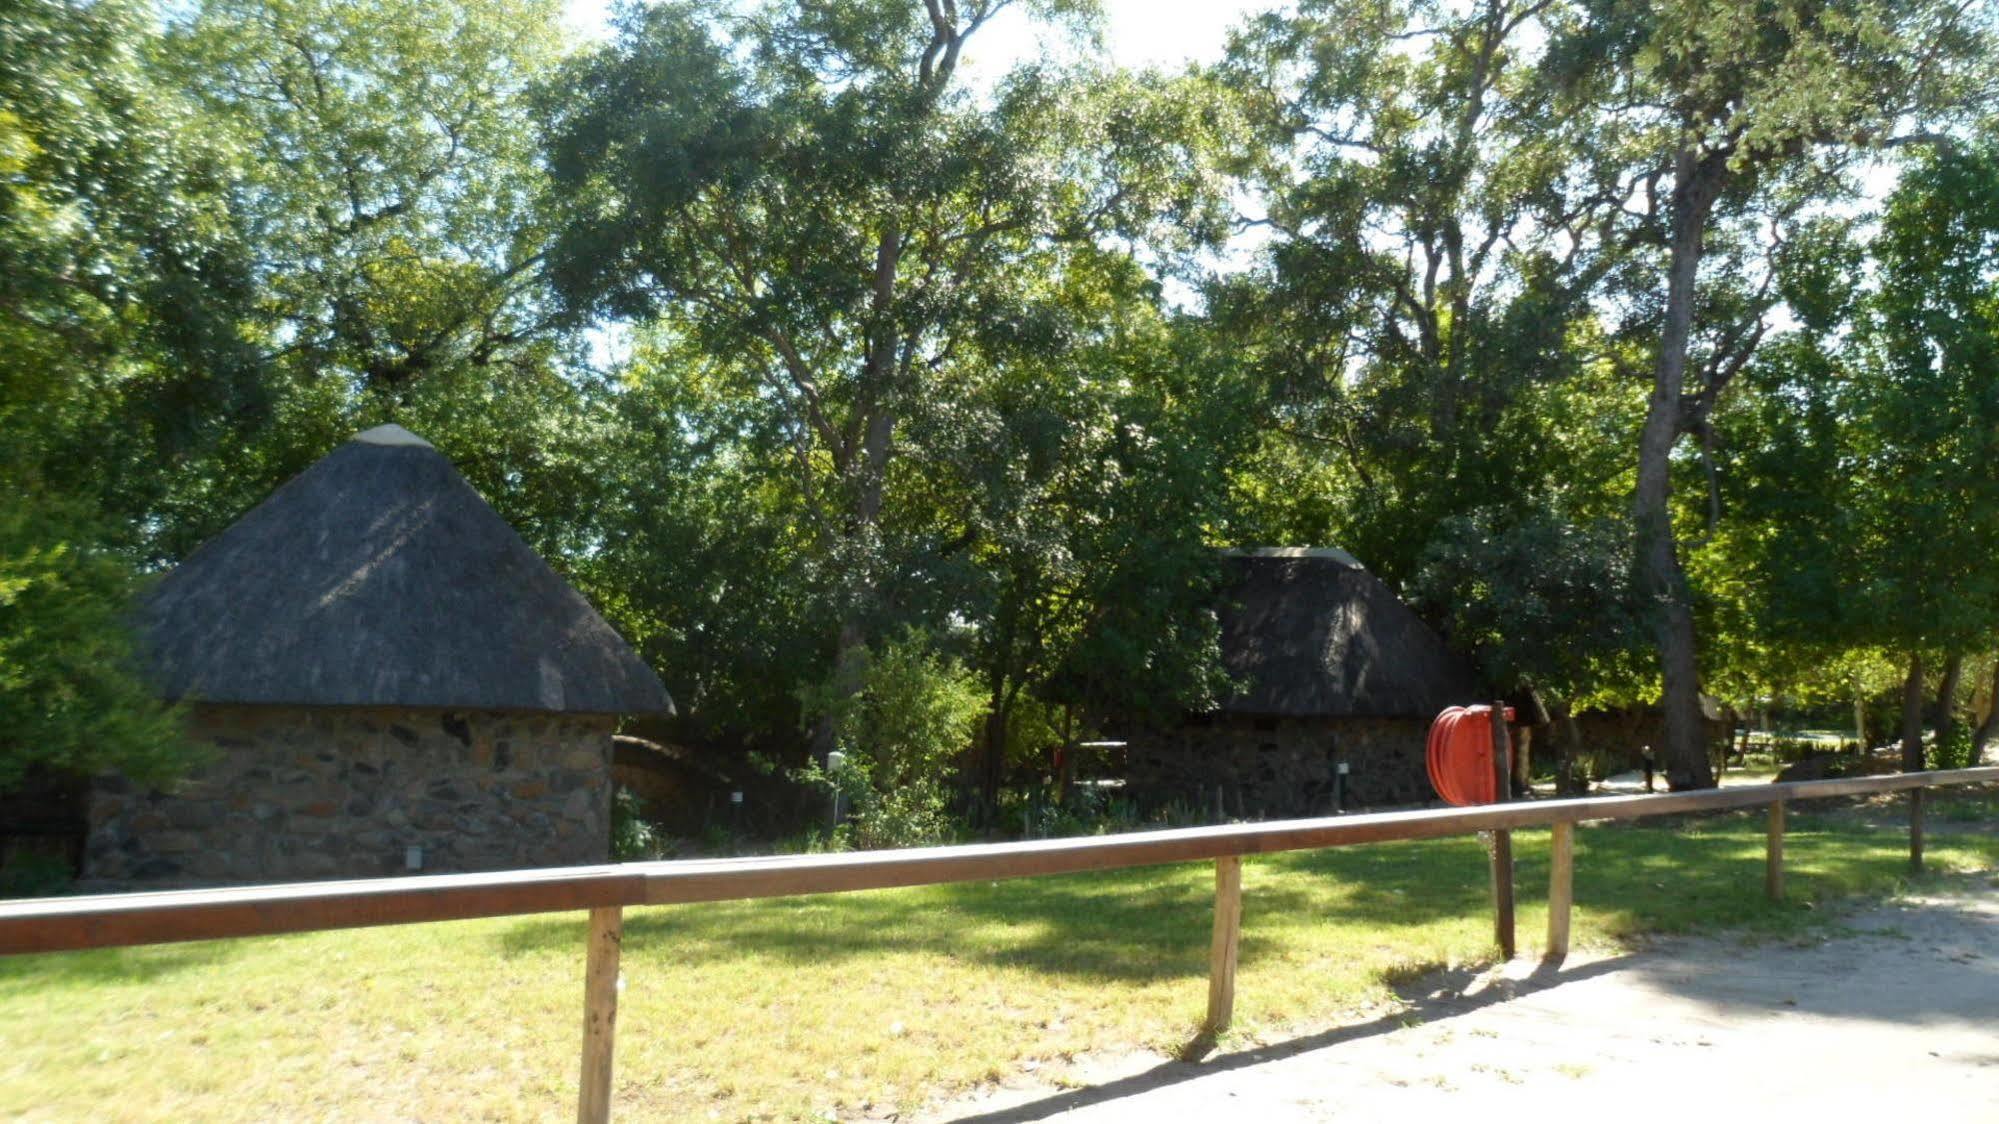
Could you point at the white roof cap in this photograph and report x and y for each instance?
(390, 434)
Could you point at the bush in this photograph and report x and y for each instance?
(913, 713)
(34, 875)
(1960, 751)
(632, 838)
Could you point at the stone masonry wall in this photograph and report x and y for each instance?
(302, 793)
(1280, 766)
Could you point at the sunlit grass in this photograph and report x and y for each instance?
(788, 1009)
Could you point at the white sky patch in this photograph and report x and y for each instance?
(1137, 33)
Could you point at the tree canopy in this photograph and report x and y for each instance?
(1647, 350)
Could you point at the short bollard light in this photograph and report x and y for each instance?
(836, 761)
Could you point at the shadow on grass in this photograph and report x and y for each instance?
(20, 975)
(1805, 983)
(1193, 1061)
(1151, 924)
(1136, 925)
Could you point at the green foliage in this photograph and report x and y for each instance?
(779, 338)
(69, 700)
(385, 165)
(914, 712)
(1543, 602)
(633, 839)
(122, 272)
(35, 875)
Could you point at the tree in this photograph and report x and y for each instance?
(386, 170)
(1421, 283)
(121, 270)
(1544, 605)
(1444, 398)
(812, 194)
(121, 278)
(1739, 112)
(1085, 489)
(1927, 424)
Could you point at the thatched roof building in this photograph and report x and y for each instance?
(1336, 682)
(1310, 633)
(389, 680)
(378, 577)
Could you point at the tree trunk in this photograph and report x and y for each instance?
(1989, 729)
(1946, 716)
(1697, 180)
(1860, 718)
(869, 443)
(1567, 780)
(1912, 716)
(849, 658)
(1523, 750)
(993, 766)
(1065, 769)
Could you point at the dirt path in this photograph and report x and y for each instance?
(1897, 1014)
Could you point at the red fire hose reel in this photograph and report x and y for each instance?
(1460, 755)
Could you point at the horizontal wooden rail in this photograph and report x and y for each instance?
(114, 920)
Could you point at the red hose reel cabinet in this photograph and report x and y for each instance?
(1460, 755)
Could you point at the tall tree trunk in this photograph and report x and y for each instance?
(1912, 716)
(992, 766)
(868, 442)
(1568, 781)
(850, 651)
(1946, 711)
(1523, 752)
(1989, 729)
(1859, 717)
(1697, 181)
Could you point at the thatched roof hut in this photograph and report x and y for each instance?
(1309, 633)
(1336, 683)
(389, 679)
(379, 577)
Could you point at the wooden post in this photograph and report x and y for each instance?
(1502, 840)
(1773, 870)
(600, 1014)
(1228, 934)
(1561, 890)
(1915, 831)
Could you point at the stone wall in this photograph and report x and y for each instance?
(1279, 766)
(303, 793)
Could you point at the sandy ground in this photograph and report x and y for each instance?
(1896, 1010)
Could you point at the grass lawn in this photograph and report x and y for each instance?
(791, 1009)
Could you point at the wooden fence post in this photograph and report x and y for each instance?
(600, 1014)
(1561, 890)
(1773, 861)
(1502, 839)
(1228, 934)
(1915, 831)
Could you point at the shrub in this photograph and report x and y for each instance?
(34, 875)
(1959, 751)
(913, 713)
(632, 838)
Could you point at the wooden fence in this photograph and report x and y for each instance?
(117, 920)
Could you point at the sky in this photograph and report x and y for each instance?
(1137, 33)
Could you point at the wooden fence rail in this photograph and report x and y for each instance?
(118, 920)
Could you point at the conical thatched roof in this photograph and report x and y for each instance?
(378, 577)
(1310, 633)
